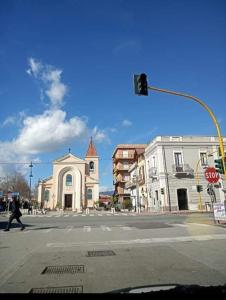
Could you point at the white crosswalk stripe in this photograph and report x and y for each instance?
(69, 228)
(75, 215)
(179, 225)
(47, 230)
(84, 215)
(126, 228)
(105, 228)
(91, 215)
(87, 229)
(66, 216)
(57, 216)
(100, 215)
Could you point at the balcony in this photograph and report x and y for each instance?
(183, 169)
(152, 172)
(121, 156)
(130, 184)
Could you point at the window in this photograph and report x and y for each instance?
(154, 161)
(68, 180)
(125, 154)
(125, 165)
(203, 158)
(178, 159)
(46, 195)
(89, 194)
(91, 166)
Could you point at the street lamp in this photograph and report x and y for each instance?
(30, 166)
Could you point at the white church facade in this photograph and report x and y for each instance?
(74, 184)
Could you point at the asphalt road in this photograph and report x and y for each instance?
(161, 249)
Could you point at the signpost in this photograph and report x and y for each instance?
(211, 175)
(219, 212)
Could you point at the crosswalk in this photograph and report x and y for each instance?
(80, 215)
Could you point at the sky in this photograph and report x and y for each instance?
(67, 74)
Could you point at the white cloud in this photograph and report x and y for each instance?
(99, 135)
(47, 132)
(35, 67)
(9, 121)
(131, 45)
(113, 129)
(126, 123)
(50, 77)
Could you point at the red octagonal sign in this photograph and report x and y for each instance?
(211, 175)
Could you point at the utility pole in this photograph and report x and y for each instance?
(30, 166)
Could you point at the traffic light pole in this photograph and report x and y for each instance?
(209, 111)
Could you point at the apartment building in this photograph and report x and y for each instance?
(123, 157)
(171, 163)
(137, 182)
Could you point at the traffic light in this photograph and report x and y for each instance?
(219, 165)
(199, 188)
(162, 191)
(141, 84)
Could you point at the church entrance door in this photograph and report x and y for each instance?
(68, 201)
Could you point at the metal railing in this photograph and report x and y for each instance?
(182, 169)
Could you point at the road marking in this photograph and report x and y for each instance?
(100, 215)
(47, 230)
(66, 216)
(57, 216)
(69, 228)
(126, 228)
(198, 224)
(75, 215)
(26, 231)
(105, 228)
(143, 241)
(108, 215)
(83, 215)
(86, 228)
(124, 214)
(91, 215)
(178, 225)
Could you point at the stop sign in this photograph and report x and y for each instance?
(211, 175)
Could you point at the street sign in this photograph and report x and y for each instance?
(219, 212)
(211, 175)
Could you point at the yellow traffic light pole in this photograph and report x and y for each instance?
(209, 111)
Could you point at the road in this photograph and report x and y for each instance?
(144, 249)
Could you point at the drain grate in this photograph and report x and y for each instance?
(58, 290)
(72, 269)
(101, 253)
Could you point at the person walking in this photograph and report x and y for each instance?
(16, 214)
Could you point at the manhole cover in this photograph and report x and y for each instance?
(64, 269)
(58, 290)
(101, 253)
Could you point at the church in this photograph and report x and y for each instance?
(74, 184)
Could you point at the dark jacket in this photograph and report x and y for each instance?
(15, 208)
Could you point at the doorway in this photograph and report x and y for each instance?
(68, 201)
(182, 199)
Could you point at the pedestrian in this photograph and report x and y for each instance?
(16, 214)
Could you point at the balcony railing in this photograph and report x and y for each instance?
(152, 172)
(123, 156)
(182, 169)
(131, 183)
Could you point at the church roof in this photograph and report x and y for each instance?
(91, 150)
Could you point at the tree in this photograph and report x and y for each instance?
(15, 183)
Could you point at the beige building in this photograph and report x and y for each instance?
(123, 157)
(74, 184)
(171, 178)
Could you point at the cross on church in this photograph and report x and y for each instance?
(69, 150)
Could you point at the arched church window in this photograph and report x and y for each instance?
(91, 166)
(89, 194)
(68, 180)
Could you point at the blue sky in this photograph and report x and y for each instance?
(67, 67)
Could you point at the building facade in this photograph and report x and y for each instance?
(74, 184)
(137, 183)
(171, 179)
(123, 157)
